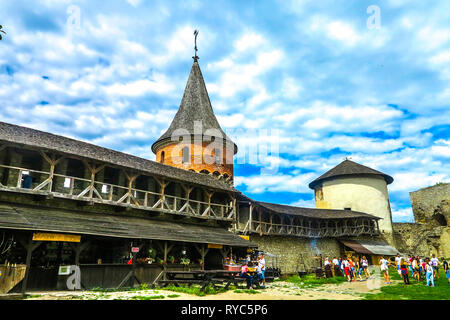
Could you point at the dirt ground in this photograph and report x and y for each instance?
(278, 290)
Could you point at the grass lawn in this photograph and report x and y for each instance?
(414, 291)
(194, 289)
(310, 280)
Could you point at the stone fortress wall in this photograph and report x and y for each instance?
(292, 252)
(430, 234)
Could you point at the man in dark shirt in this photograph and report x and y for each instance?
(447, 272)
(27, 181)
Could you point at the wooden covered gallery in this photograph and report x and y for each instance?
(67, 202)
(303, 237)
(276, 219)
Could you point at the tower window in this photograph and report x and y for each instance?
(163, 154)
(217, 156)
(347, 208)
(185, 155)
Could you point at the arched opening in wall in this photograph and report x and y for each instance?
(192, 170)
(226, 176)
(204, 171)
(163, 155)
(185, 155)
(440, 219)
(216, 174)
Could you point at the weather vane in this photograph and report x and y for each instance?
(195, 57)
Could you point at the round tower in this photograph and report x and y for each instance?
(195, 141)
(352, 186)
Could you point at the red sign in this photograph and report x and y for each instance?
(135, 249)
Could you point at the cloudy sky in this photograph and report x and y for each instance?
(309, 82)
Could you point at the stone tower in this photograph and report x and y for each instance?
(353, 186)
(195, 141)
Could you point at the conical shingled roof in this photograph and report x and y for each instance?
(349, 168)
(195, 106)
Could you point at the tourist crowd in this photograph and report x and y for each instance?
(357, 268)
(417, 267)
(352, 268)
(257, 275)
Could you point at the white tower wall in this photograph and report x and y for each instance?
(364, 194)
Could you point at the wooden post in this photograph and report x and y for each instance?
(250, 227)
(202, 251)
(49, 181)
(78, 248)
(132, 272)
(30, 247)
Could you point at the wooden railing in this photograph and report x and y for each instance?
(268, 228)
(71, 187)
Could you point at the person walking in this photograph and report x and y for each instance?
(342, 267)
(352, 269)
(429, 273)
(347, 271)
(410, 259)
(365, 266)
(424, 268)
(415, 267)
(404, 271)
(435, 265)
(420, 265)
(327, 265)
(261, 269)
(335, 266)
(398, 262)
(446, 271)
(359, 268)
(384, 266)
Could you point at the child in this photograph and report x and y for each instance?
(244, 274)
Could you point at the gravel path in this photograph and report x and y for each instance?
(278, 290)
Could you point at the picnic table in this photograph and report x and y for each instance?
(202, 277)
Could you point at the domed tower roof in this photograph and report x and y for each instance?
(349, 168)
(195, 108)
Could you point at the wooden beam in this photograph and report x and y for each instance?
(30, 246)
(203, 250)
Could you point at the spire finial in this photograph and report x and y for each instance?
(195, 57)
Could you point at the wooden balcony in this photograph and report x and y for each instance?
(267, 228)
(56, 185)
(261, 221)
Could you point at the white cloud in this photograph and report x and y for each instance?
(310, 203)
(414, 180)
(249, 41)
(159, 85)
(275, 183)
(403, 215)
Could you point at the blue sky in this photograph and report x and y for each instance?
(313, 72)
